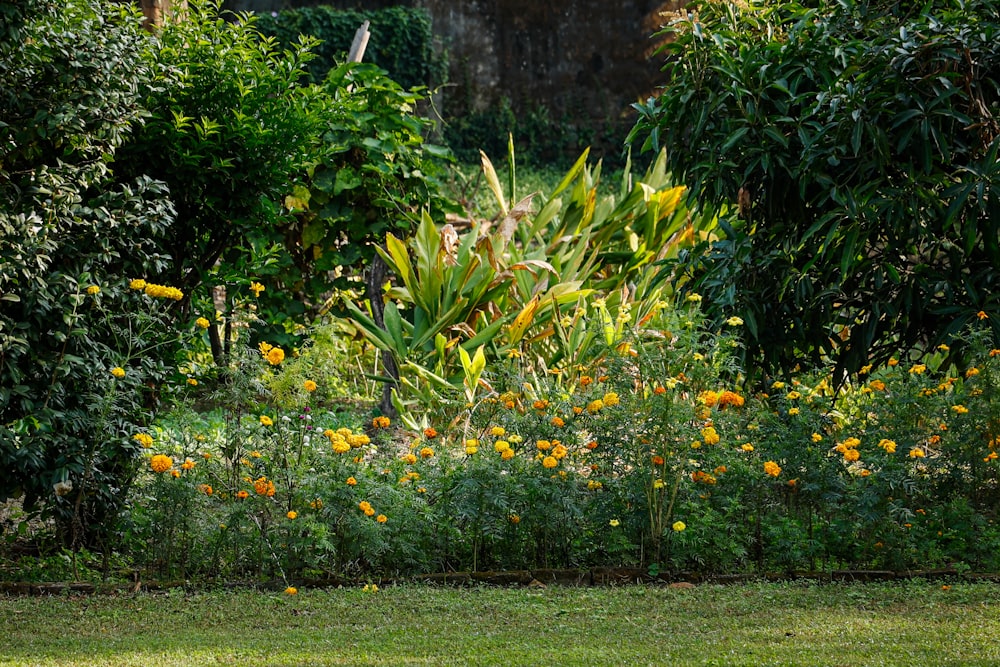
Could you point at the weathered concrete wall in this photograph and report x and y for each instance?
(588, 59)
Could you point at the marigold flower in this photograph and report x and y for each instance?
(206, 489)
(746, 447)
(507, 454)
(242, 495)
(309, 385)
(292, 515)
(291, 590)
(679, 526)
(540, 404)
(161, 463)
(592, 445)
(192, 382)
(560, 451)
(793, 411)
(992, 456)
(137, 284)
(143, 439)
(852, 455)
(658, 484)
(593, 485)
(514, 518)
(659, 390)
(708, 398)
(917, 453)
(426, 453)
(888, 445)
(497, 431)
(657, 460)
(557, 422)
(610, 399)
(118, 372)
(959, 409)
(918, 369)
(266, 421)
(710, 436)
(163, 292)
(188, 464)
(94, 289)
(731, 398)
(549, 462)
(381, 422)
(772, 468)
(720, 470)
(364, 506)
(585, 380)
(370, 588)
(262, 486)
(275, 356)
(370, 511)
(202, 323)
(381, 518)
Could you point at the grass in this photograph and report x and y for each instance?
(916, 623)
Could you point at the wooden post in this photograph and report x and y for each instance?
(360, 43)
(157, 11)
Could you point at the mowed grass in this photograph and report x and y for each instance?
(916, 623)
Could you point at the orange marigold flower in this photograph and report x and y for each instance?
(381, 422)
(291, 590)
(917, 453)
(540, 404)
(708, 398)
(731, 398)
(370, 511)
(877, 385)
(364, 506)
(772, 468)
(161, 463)
(292, 515)
(585, 380)
(591, 445)
(264, 487)
(351, 481)
(657, 460)
(206, 489)
(430, 433)
(242, 495)
(426, 453)
(507, 454)
(187, 465)
(515, 519)
(309, 385)
(660, 390)
(381, 518)
(549, 462)
(558, 422)
(409, 458)
(852, 455)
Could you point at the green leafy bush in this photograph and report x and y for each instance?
(852, 150)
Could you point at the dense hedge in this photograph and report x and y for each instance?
(401, 40)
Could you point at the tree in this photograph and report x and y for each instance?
(851, 149)
(69, 232)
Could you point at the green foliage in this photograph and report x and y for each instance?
(852, 150)
(228, 132)
(69, 233)
(401, 40)
(371, 174)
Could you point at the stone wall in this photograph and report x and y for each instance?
(585, 59)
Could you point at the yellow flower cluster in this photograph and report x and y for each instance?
(161, 463)
(274, 355)
(143, 439)
(888, 445)
(343, 439)
(772, 468)
(94, 290)
(118, 372)
(202, 323)
(162, 291)
(710, 435)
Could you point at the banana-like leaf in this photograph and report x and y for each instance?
(493, 181)
(522, 321)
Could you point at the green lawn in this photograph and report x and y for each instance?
(916, 623)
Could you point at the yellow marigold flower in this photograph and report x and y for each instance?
(507, 454)
(352, 482)
(679, 526)
(614, 523)
(291, 590)
(557, 422)
(309, 385)
(594, 485)
(731, 398)
(381, 422)
(746, 447)
(426, 453)
(560, 451)
(358, 440)
(793, 411)
(793, 395)
(163, 292)
(877, 385)
(610, 399)
(256, 288)
(94, 289)
(917, 453)
(959, 409)
(118, 372)
(381, 518)
(340, 446)
(409, 458)
(497, 431)
(866, 473)
(772, 468)
(658, 484)
(370, 588)
(161, 463)
(192, 382)
(709, 435)
(137, 284)
(292, 515)
(888, 445)
(364, 506)
(500, 446)
(852, 455)
(777, 384)
(595, 406)
(550, 462)
(972, 371)
(370, 511)
(266, 421)
(202, 323)
(543, 445)
(175, 473)
(275, 356)
(917, 369)
(892, 362)
(255, 454)
(188, 464)
(143, 439)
